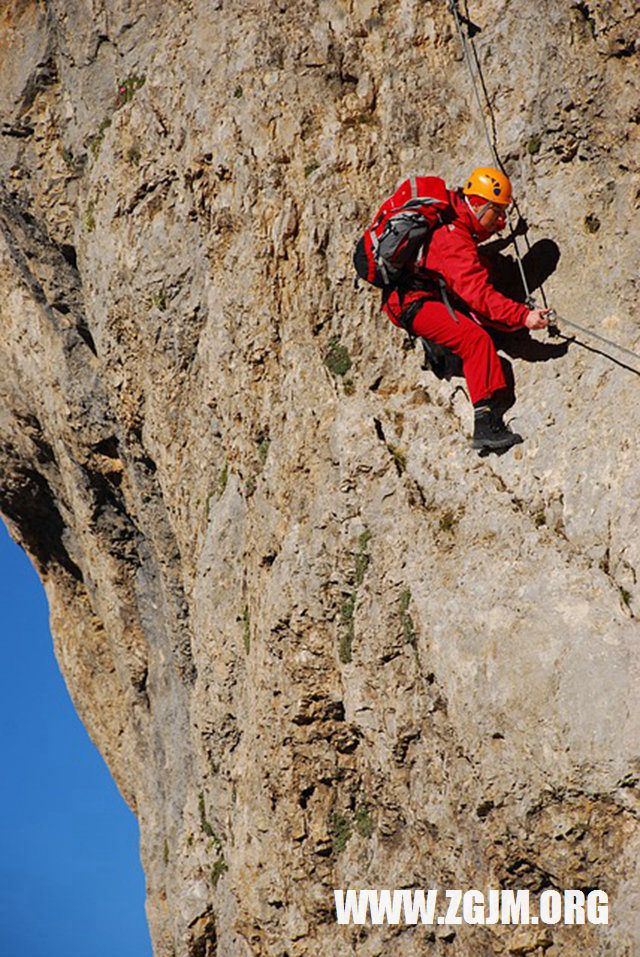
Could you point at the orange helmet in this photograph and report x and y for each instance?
(489, 183)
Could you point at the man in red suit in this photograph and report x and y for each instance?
(451, 300)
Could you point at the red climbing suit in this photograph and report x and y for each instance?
(453, 256)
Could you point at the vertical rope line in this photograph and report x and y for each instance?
(453, 6)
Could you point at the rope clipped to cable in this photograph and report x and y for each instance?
(556, 321)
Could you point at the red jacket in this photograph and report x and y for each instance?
(453, 255)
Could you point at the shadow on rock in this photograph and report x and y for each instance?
(522, 345)
(539, 262)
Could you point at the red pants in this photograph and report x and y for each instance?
(480, 362)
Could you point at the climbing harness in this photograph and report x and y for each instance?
(467, 45)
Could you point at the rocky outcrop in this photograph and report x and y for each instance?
(318, 640)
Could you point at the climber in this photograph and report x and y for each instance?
(447, 298)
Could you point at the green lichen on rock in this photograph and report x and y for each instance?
(204, 822)
(362, 557)
(363, 821)
(223, 477)
(159, 300)
(89, 219)
(408, 629)
(348, 607)
(347, 612)
(95, 142)
(337, 358)
(128, 88)
(533, 145)
(340, 832)
(399, 457)
(218, 869)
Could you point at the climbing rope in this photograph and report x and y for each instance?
(468, 44)
(453, 6)
(491, 141)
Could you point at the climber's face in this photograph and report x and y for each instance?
(490, 215)
(493, 218)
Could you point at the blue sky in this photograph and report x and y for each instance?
(71, 884)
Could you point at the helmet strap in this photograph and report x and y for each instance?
(478, 211)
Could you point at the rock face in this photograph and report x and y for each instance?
(321, 643)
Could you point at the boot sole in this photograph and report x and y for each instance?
(496, 445)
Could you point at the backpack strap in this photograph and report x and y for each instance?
(445, 298)
(374, 243)
(408, 315)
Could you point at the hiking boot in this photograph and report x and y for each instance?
(489, 431)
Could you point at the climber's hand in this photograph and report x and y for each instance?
(537, 319)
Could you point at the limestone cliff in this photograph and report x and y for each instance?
(318, 640)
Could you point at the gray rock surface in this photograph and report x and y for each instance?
(318, 640)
